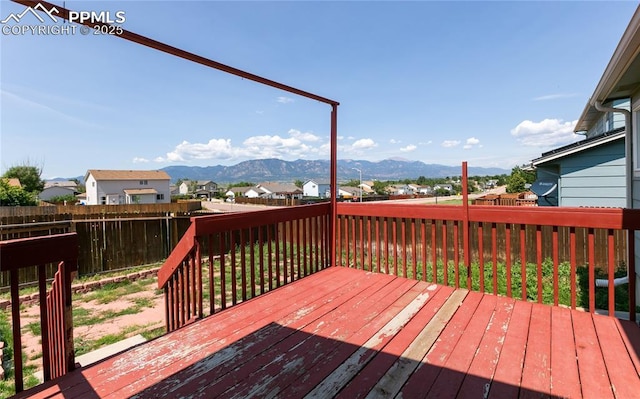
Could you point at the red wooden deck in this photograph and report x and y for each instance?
(347, 333)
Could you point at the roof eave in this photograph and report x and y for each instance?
(626, 52)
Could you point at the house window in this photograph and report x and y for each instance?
(103, 200)
(144, 182)
(93, 184)
(159, 196)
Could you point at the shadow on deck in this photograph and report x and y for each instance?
(348, 333)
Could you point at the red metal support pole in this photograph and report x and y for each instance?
(334, 180)
(465, 225)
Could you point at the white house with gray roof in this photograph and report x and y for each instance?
(116, 187)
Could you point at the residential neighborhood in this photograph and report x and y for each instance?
(198, 248)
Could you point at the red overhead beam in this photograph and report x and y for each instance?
(145, 41)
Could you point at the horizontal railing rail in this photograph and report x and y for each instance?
(548, 255)
(227, 259)
(55, 306)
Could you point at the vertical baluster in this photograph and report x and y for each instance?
(434, 251)
(556, 265)
(243, 265)
(223, 271)
(44, 317)
(339, 245)
(233, 266)
(292, 258)
(445, 254)
(252, 263)
(394, 235)
(414, 258)
(369, 245)
(539, 260)
(592, 269)
(386, 245)
(523, 261)
(277, 251)
(353, 242)
(261, 255)
(481, 255)
(361, 246)
(270, 255)
(494, 255)
(572, 262)
(299, 232)
(611, 273)
(403, 226)
(456, 253)
(508, 257)
(17, 336)
(423, 240)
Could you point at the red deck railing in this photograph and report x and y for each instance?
(245, 254)
(495, 249)
(55, 306)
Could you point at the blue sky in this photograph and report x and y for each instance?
(492, 83)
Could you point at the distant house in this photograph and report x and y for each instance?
(399, 189)
(317, 188)
(238, 191)
(115, 187)
(56, 191)
(424, 190)
(443, 186)
(367, 186)
(348, 191)
(13, 182)
(199, 188)
(276, 191)
(61, 183)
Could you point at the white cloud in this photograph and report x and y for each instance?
(408, 148)
(140, 160)
(214, 149)
(554, 96)
(471, 142)
(303, 136)
(546, 133)
(284, 100)
(364, 144)
(425, 142)
(394, 141)
(297, 145)
(450, 143)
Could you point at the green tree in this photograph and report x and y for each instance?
(515, 183)
(380, 187)
(29, 176)
(298, 183)
(15, 196)
(518, 179)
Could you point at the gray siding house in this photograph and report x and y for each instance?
(621, 80)
(590, 172)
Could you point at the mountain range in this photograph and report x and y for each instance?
(277, 170)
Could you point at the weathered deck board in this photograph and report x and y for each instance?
(352, 334)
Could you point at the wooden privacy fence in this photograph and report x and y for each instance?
(90, 211)
(105, 244)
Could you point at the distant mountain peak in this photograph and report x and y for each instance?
(278, 170)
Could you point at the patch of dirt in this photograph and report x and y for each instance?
(150, 315)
